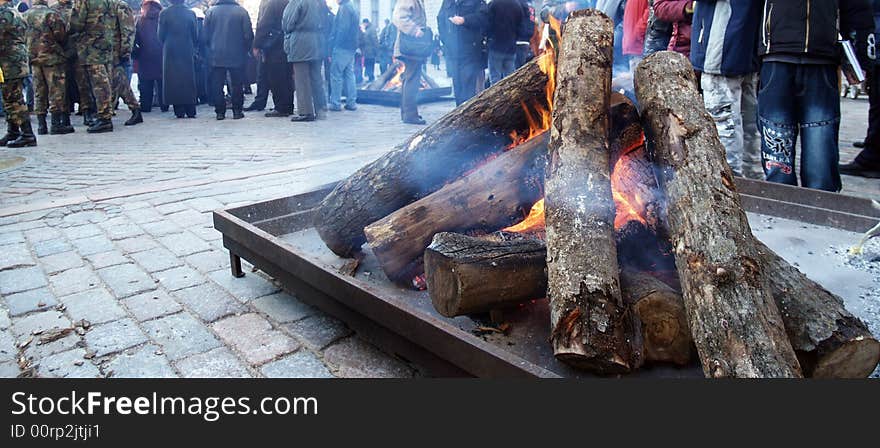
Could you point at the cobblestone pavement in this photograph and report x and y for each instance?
(109, 265)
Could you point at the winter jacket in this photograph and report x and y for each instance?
(345, 33)
(179, 34)
(673, 11)
(269, 36)
(504, 19)
(370, 42)
(409, 17)
(228, 34)
(147, 47)
(806, 30)
(305, 27)
(463, 41)
(725, 37)
(635, 24)
(657, 34)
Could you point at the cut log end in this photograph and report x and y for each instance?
(664, 327)
(856, 358)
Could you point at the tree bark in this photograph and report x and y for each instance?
(453, 145)
(494, 196)
(468, 275)
(733, 318)
(591, 328)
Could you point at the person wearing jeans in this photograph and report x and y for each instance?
(344, 43)
(409, 18)
(505, 19)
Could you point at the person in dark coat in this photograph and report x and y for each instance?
(229, 36)
(305, 24)
(505, 18)
(462, 25)
(867, 162)
(179, 36)
(203, 74)
(370, 49)
(147, 54)
(269, 39)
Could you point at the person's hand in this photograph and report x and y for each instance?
(458, 20)
(419, 33)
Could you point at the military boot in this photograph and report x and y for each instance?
(26, 138)
(136, 118)
(42, 127)
(12, 133)
(101, 125)
(64, 126)
(88, 118)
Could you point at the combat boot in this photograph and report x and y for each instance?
(42, 127)
(64, 125)
(26, 138)
(101, 125)
(12, 133)
(136, 118)
(88, 118)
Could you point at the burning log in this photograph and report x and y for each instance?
(492, 197)
(733, 318)
(591, 327)
(468, 275)
(439, 153)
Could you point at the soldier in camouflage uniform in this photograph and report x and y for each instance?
(14, 64)
(75, 73)
(122, 46)
(93, 23)
(46, 36)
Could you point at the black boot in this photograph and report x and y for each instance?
(27, 137)
(65, 126)
(88, 118)
(12, 133)
(42, 127)
(101, 125)
(136, 118)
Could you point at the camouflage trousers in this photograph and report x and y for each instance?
(86, 101)
(99, 84)
(122, 87)
(13, 102)
(50, 89)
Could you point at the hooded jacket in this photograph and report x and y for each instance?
(725, 36)
(673, 11)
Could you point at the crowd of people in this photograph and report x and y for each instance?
(768, 70)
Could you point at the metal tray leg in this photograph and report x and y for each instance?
(235, 265)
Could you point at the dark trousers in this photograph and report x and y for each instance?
(218, 80)
(465, 73)
(370, 68)
(280, 80)
(263, 84)
(309, 87)
(185, 110)
(149, 90)
(409, 101)
(800, 99)
(870, 156)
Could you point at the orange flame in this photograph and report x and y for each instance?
(396, 80)
(533, 222)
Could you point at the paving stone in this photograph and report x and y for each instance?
(147, 361)
(217, 363)
(93, 245)
(354, 358)
(156, 259)
(144, 215)
(209, 261)
(208, 234)
(150, 305)
(209, 301)
(83, 231)
(113, 337)
(302, 364)
(317, 332)
(172, 207)
(181, 335)
(5, 322)
(183, 244)
(96, 306)
(28, 301)
(51, 247)
(9, 370)
(21, 279)
(204, 204)
(42, 321)
(8, 351)
(190, 218)
(73, 280)
(61, 262)
(126, 280)
(246, 288)
(69, 364)
(124, 231)
(179, 278)
(283, 307)
(37, 350)
(105, 259)
(15, 256)
(136, 244)
(254, 338)
(42, 234)
(162, 228)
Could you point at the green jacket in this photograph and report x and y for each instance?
(93, 23)
(13, 47)
(64, 7)
(46, 34)
(124, 33)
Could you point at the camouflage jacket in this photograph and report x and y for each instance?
(124, 33)
(64, 7)
(46, 34)
(93, 23)
(13, 47)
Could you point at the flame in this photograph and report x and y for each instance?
(539, 117)
(396, 80)
(534, 221)
(630, 206)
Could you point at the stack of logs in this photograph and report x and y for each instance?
(428, 206)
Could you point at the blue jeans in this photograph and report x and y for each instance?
(500, 65)
(793, 99)
(342, 78)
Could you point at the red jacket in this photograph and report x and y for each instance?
(635, 23)
(673, 11)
